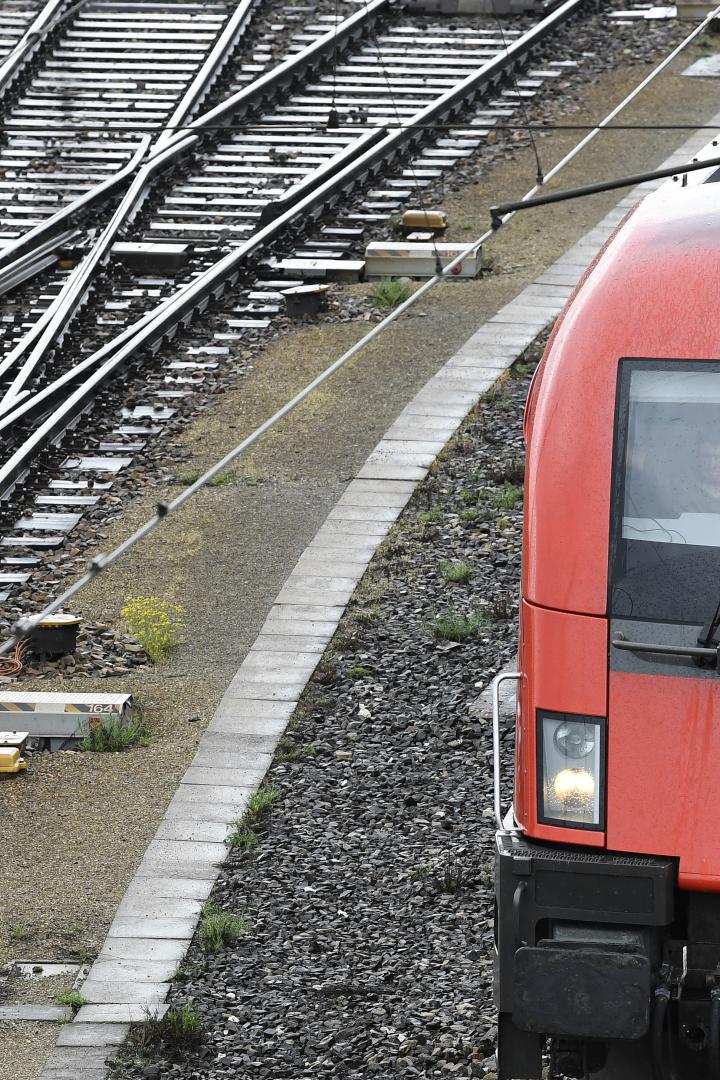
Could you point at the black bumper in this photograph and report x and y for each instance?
(593, 977)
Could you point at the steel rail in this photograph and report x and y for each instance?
(55, 321)
(271, 83)
(195, 296)
(56, 318)
(52, 15)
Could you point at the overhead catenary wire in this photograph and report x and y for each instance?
(103, 562)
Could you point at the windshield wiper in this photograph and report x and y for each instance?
(707, 635)
(708, 655)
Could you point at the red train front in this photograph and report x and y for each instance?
(608, 867)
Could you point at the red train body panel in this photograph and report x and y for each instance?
(608, 878)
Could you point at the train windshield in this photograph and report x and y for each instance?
(665, 543)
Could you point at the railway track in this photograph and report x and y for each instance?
(355, 103)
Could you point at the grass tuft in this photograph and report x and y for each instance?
(179, 1029)
(390, 292)
(455, 571)
(112, 735)
(244, 835)
(219, 928)
(223, 478)
(454, 626)
(507, 497)
(73, 999)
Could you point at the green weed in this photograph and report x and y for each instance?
(221, 479)
(244, 835)
(155, 624)
(453, 626)
(112, 735)
(455, 571)
(219, 928)
(390, 293)
(73, 999)
(507, 497)
(359, 671)
(187, 478)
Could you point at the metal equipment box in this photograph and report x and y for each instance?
(60, 718)
(403, 259)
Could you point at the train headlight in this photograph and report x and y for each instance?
(571, 777)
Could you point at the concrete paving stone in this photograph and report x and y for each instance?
(234, 795)
(167, 950)
(93, 1034)
(531, 315)
(191, 852)
(485, 371)
(268, 710)
(335, 527)
(287, 677)
(152, 866)
(206, 774)
(306, 596)
(284, 643)
(360, 513)
(308, 627)
(392, 486)
(534, 297)
(267, 661)
(301, 612)
(524, 319)
(375, 498)
(170, 889)
(147, 926)
(183, 829)
(166, 907)
(236, 744)
(79, 1057)
(446, 401)
(227, 813)
(570, 265)
(436, 425)
(119, 1013)
(62, 1072)
(210, 758)
(358, 547)
(56, 1013)
(558, 292)
(403, 472)
(417, 461)
(154, 971)
(465, 373)
(498, 334)
(308, 581)
(560, 278)
(272, 691)
(413, 448)
(234, 715)
(422, 409)
(98, 992)
(489, 356)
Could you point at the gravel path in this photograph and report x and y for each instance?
(368, 898)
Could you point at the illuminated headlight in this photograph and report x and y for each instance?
(570, 770)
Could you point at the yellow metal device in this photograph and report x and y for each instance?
(11, 760)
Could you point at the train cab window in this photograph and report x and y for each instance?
(665, 529)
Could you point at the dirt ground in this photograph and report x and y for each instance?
(75, 826)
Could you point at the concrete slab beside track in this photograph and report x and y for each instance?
(157, 917)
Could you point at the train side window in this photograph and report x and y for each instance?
(665, 528)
